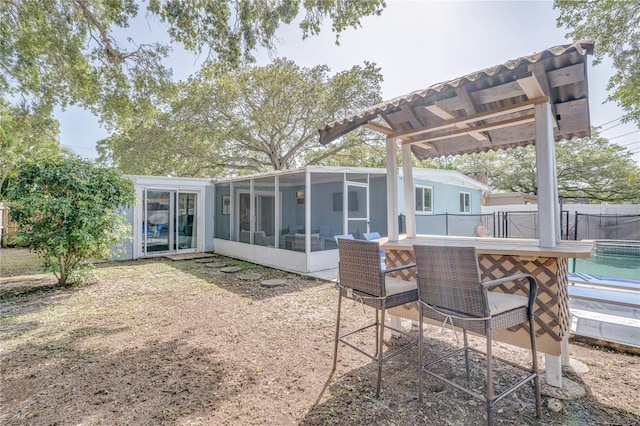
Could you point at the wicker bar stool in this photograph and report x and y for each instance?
(362, 279)
(450, 289)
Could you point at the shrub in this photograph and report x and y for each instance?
(69, 210)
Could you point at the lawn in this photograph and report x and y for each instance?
(177, 342)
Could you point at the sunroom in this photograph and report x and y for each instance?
(290, 219)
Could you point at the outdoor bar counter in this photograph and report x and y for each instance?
(500, 257)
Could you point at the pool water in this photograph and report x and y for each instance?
(608, 266)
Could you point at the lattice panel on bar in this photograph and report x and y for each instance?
(552, 302)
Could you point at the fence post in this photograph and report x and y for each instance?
(505, 224)
(446, 223)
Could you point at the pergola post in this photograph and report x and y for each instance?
(392, 190)
(548, 208)
(409, 204)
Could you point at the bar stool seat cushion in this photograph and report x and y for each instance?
(503, 302)
(395, 286)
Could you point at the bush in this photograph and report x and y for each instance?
(68, 211)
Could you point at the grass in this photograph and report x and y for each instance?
(19, 263)
(155, 341)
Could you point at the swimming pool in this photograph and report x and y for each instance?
(617, 259)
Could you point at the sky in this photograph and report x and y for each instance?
(417, 43)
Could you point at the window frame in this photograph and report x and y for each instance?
(422, 190)
(463, 204)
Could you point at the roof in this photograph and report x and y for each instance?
(450, 177)
(173, 181)
(485, 110)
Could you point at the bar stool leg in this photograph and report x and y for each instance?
(420, 355)
(335, 346)
(466, 352)
(534, 361)
(490, 390)
(380, 347)
(378, 329)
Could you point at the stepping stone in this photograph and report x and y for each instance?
(250, 276)
(231, 269)
(570, 390)
(204, 260)
(215, 265)
(273, 283)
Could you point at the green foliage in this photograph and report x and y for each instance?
(615, 24)
(67, 210)
(25, 134)
(251, 120)
(80, 52)
(591, 168)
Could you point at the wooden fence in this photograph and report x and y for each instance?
(6, 228)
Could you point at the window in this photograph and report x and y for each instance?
(424, 199)
(300, 198)
(465, 202)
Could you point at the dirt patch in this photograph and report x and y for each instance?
(175, 342)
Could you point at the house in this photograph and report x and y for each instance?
(264, 218)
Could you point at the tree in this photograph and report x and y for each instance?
(80, 52)
(67, 210)
(615, 24)
(591, 168)
(247, 121)
(25, 133)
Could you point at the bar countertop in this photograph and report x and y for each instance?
(496, 246)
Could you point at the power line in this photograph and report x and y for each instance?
(629, 145)
(604, 124)
(611, 127)
(626, 134)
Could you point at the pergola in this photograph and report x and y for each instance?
(536, 99)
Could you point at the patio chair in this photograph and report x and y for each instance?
(450, 289)
(345, 236)
(375, 236)
(260, 239)
(299, 242)
(245, 236)
(362, 279)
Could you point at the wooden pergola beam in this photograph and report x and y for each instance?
(485, 127)
(371, 125)
(534, 84)
(445, 115)
(522, 106)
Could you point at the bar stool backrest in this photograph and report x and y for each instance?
(449, 278)
(359, 266)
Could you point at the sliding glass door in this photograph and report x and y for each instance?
(169, 221)
(157, 235)
(187, 226)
